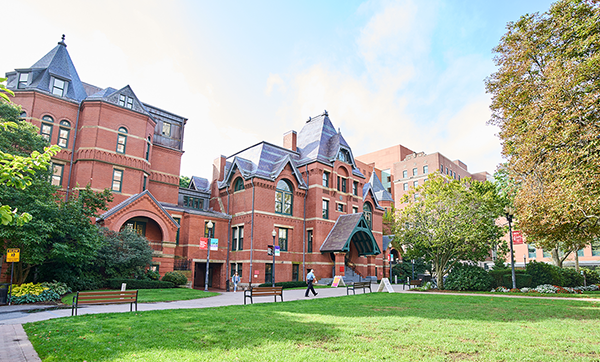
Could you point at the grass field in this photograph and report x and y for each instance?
(159, 295)
(365, 327)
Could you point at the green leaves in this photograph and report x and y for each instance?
(545, 101)
(447, 220)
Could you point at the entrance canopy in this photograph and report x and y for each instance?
(351, 228)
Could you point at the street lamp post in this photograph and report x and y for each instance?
(274, 233)
(524, 261)
(512, 255)
(210, 226)
(413, 268)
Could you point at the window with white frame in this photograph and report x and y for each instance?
(59, 87)
(57, 174)
(122, 140)
(63, 133)
(166, 129)
(23, 80)
(283, 239)
(46, 127)
(117, 180)
(237, 241)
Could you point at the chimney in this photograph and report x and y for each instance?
(218, 168)
(289, 140)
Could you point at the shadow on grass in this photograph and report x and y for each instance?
(226, 331)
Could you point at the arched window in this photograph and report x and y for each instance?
(63, 133)
(46, 127)
(122, 140)
(239, 184)
(368, 212)
(283, 198)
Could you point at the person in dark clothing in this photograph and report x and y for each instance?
(310, 279)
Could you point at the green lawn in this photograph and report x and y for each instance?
(364, 327)
(159, 295)
(594, 294)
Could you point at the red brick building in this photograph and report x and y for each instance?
(324, 206)
(110, 139)
(310, 198)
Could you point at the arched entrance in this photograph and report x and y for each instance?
(146, 227)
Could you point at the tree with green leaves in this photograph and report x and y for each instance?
(52, 233)
(184, 181)
(124, 254)
(446, 221)
(545, 101)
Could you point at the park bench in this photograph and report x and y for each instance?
(105, 297)
(356, 285)
(263, 292)
(414, 282)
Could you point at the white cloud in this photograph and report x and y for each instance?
(272, 81)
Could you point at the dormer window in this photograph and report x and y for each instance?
(58, 87)
(125, 101)
(23, 80)
(344, 156)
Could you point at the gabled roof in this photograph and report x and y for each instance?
(57, 63)
(132, 199)
(112, 95)
(263, 160)
(381, 194)
(351, 228)
(368, 188)
(199, 184)
(319, 141)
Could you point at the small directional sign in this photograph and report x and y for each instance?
(13, 255)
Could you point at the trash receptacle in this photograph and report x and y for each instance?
(4, 293)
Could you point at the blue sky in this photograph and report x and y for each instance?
(388, 72)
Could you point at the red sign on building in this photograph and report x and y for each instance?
(517, 237)
(203, 243)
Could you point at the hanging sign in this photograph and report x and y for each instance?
(203, 243)
(517, 237)
(277, 250)
(214, 244)
(13, 255)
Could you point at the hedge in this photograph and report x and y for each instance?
(138, 284)
(522, 280)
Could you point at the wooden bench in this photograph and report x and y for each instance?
(263, 292)
(108, 297)
(355, 285)
(414, 282)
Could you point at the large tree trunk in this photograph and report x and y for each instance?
(556, 258)
(439, 275)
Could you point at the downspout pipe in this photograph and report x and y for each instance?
(228, 244)
(304, 230)
(73, 151)
(251, 235)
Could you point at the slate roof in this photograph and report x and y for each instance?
(263, 160)
(381, 194)
(317, 141)
(199, 184)
(346, 228)
(129, 201)
(57, 63)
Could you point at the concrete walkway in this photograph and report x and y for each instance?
(15, 346)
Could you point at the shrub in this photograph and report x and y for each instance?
(58, 287)
(522, 280)
(153, 275)
(139, 284)
(32, 293)
(286, 285)
(591, 276)
(570, 277)
(468, 277)
(543, 273)
(175, 277)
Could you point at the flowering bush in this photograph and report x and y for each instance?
(546, 288)
(589, 288)
(525, 290)
(41, 292)
(425, 287)
(500, 290)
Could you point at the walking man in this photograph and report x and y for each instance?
(310, 279)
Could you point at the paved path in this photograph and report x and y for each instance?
(15, 347)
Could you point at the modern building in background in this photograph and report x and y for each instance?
(403, 169)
